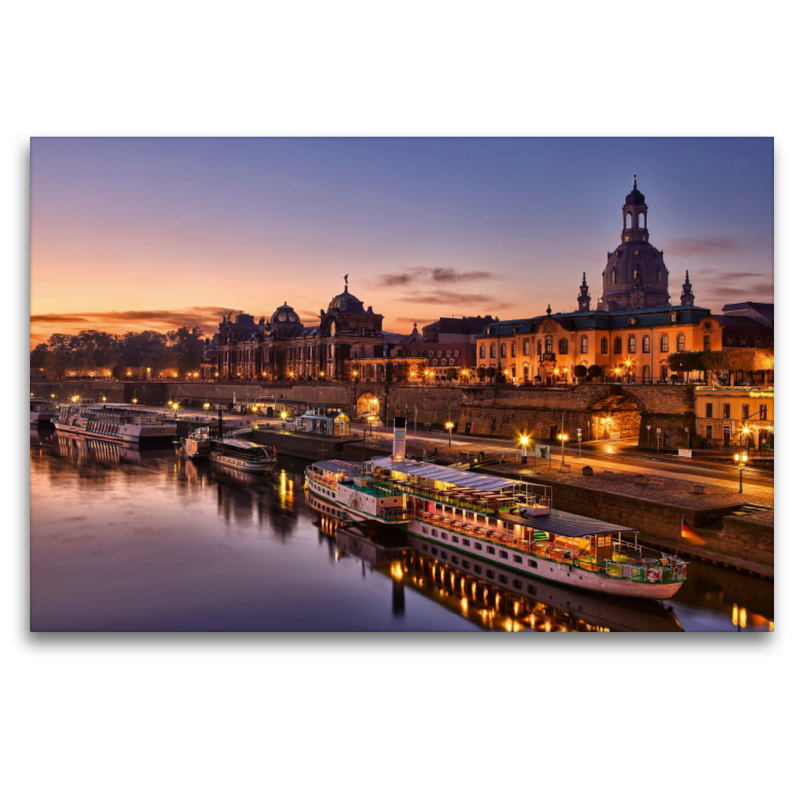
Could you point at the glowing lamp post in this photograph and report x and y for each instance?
(524, 441)
(206, 406)
(283, 419)
(449, 426)
(741, 460)
(562, 438)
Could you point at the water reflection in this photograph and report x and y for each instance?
(123, 539)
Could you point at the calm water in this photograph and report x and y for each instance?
(144, 541)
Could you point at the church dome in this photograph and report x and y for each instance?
(346, 302)
(284, 315)
(635, 198)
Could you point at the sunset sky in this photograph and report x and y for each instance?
(128, 234)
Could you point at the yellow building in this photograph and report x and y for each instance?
(627, 345)
(736, 415)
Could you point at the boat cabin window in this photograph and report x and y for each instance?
(490, 550)
(478, 546)
(438, 506)
(503, 554)
(455, 539)
(490, 574)
(459, 513)
(470, 516)
(480, 519)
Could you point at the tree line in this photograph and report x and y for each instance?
(91, 351)
(715, 362)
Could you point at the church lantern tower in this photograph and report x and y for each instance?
(635, 275)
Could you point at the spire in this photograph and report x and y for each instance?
(687, 296)
(548, 310)
(584, 298)
(634, 180)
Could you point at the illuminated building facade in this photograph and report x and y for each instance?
(735, 415)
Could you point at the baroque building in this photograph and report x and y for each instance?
(282, 347)
(628, 336)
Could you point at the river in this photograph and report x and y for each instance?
(129, 540)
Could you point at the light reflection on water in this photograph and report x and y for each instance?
(130, 540)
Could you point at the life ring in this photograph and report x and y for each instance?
(654, 575)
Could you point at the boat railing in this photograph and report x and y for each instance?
(501, 506)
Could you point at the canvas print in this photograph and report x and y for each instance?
(520, 385)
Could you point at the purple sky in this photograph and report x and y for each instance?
(135, 233)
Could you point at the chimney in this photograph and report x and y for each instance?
(399, 447)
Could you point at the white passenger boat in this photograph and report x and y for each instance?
(43, 411)
(495, 520)
(115, 423)
(237, 453)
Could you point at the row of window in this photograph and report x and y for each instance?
(731, 341)
(726, 411)
(563, 346)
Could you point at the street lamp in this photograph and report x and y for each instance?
(563, 438)
(524, 441)
(206, 406)
(449, 426)
(741, 460)
(283, 419)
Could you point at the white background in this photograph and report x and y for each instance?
(118, 716)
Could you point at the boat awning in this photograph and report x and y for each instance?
(349, 468)
(454, 477)
(562, 523)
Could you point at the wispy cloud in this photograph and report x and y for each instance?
(453, 299)
(691, 246)
(202, 316)
(423, 275)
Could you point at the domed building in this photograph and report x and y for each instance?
(635, 275)
(284, 348)
(630, 334)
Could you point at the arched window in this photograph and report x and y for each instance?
(664, 372)
(681, 342)
(731, 341)
(539, 347)
(483, 351)
(631, 344)
(743, 341)
(513, 370)
(503, 350)
(645, 344)
(584, 344)
(641, 220)
(548, 346)
(665, 343)
(613, 276)
(759, 341)
(493, 351)
(513, 349)
(526, 347)
(627, 221)
(706, 343)
(604, 345)
(658, 276)
(617, 345)
(563, 347)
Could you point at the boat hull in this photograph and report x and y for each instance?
(42, 417)
(130, 434)
(251, 467)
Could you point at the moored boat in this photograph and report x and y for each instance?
(43, 411)
(236, 453)
(115, 423)
(496, 520)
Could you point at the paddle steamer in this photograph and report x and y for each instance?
(43, 411)
(495, 520)
(115, 422)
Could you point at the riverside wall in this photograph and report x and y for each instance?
(490, 410)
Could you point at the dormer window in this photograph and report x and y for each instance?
(673, 316)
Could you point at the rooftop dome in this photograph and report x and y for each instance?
(346, 302)
(635, 198)
(285, 314)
